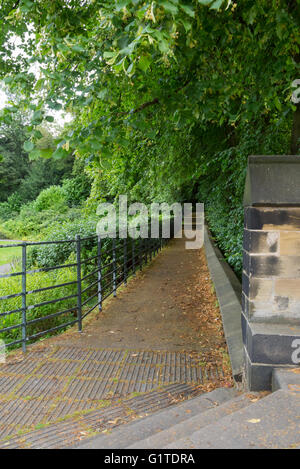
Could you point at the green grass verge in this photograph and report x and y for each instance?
(8, 255)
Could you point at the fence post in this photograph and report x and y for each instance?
(24, 318)
(114, 268)
(79, 303)
(146, 248)
(125, 261)
(141, 254)
(133, 255)
(99, 273)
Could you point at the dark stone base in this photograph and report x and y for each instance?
(271, 344)
(259, 377)
(267, 347)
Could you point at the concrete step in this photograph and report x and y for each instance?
(125, 435)
(270, 423)
(191, 425)
(287, 379)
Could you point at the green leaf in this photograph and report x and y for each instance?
(46, 153)
(95, 143)
(217, 5)
(78, 48)
(120, 4)
(35, 154)
(49, 118)
(186, 24)
(169, 7)
(252, 14)
(56, 106)
(28, 146)
(108, 55)
(37, 117)
(145, 62)
(60, 153)
(278, 103)
(37, 134)
(188, 10)
(26, 5)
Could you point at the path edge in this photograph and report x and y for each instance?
(229, 293)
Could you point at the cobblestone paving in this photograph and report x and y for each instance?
(57, 382)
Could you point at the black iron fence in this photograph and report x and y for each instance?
(70, 291)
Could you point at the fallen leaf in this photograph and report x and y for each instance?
(253, 420)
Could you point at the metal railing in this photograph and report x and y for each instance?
(93, 278)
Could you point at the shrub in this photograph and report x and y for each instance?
(53, 198)
(76, 190)
(11, 207)
(57, 254)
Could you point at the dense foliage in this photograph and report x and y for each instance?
(169, 97)
(21, 179)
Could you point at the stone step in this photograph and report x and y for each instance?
(270, 423)
(191, 425)
(287, 379)
(124, 436)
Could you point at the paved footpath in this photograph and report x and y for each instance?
(150, 347)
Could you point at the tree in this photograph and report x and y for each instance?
(18, 174)
(169, 97)
(15, 163)
(111, 62)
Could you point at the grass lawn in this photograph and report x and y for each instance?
(7, 255)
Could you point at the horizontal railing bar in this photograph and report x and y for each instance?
(109, 283)
(44, 303)
(107, 295)
(89, 299)
(118, 246)
(112, 262)
(36, 243)
(107, 274)
(90, 286)
(89, 259)
(5, 329)
(39, 334)
(15, 342)
(7, 313)
(10, 245)
(12, 274)
(120, 283)
(8, 297)
(48, 269)
(107, 265)
(49, 316)
(90, 310)
(90, 274)
(51, 287)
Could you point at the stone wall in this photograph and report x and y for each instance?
(271, 276)
(271, 268)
